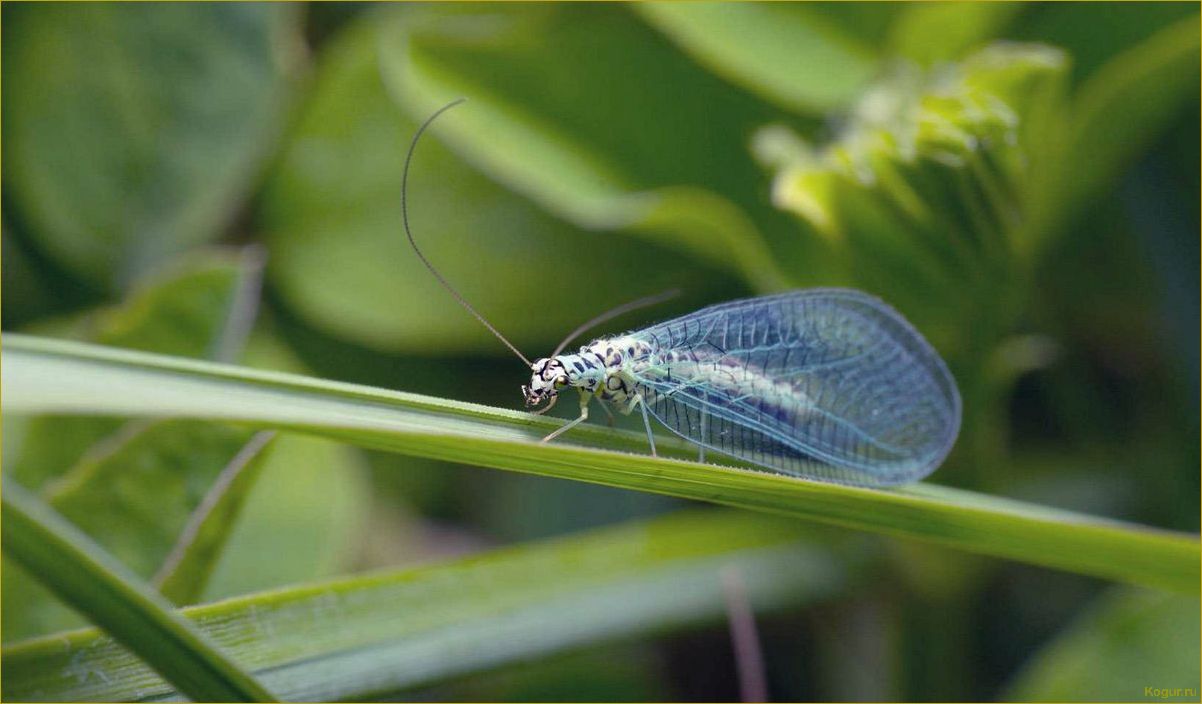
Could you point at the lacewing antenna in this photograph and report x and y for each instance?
(409, 233)
(615, 312)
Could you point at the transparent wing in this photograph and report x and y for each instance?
(824, 383)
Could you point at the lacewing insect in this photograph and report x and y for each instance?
(828, 384)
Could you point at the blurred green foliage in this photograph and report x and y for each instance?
(1125, 629)
(94, 95)
(1021, 180)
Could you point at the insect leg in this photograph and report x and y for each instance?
(700, 447)
(609, 413)
(646, 423)
(584, 399)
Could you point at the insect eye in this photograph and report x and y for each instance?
(561, 381)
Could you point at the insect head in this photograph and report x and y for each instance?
(549, 376)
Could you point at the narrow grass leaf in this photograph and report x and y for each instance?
(373, 635)
(185, 573)
(200, 305)
(46, 376)
(308, 513)
(83, 575)
(132, 494)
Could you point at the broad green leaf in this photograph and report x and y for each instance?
(55, 376)
(930, 32)
(788, 53)
(304, 519)
(867, 21)
(184, 574)
(306, 515)
(1115, 114)
(133, 132)
(29, 608)
(133, 495)
(82, 574)
(339, 258)
(51, 445)
(30, 291)
(370, 636)
(668, 164)
(200, 306)
(132, 486)
(1131, 645)
(300, 520)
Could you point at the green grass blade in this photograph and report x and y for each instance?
(83, 575)
(46, 376)
(187, 568)
(375, 634)
(133, 495)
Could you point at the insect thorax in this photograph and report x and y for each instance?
(603, 366)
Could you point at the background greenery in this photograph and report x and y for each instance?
(221, 182)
